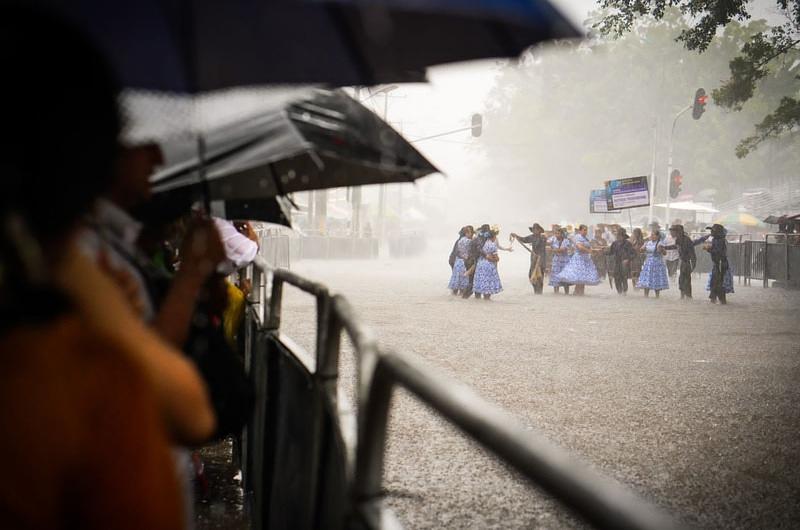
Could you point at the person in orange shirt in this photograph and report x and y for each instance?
(91, 400)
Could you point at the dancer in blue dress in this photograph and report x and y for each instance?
(459, 281)
(487, 280)
(654, 270)
(560, 247)
(580, 271)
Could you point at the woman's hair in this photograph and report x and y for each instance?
(582, 227)
(58, 147)
(60, 122)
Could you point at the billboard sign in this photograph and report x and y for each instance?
(598, 203)
(625, 193)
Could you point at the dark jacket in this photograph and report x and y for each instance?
(538, 244)
(619, 252)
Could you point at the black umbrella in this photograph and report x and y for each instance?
(168, 206)
(326, 140)
(193, 46)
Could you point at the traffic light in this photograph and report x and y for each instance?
(700, 100)
(675, 183)
(477, 125)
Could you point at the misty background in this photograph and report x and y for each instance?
(566, 117)
(557, 123)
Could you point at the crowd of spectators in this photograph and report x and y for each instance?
(117, 339)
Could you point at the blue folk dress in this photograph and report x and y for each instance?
(487, 279)
(654, 271)
(580, 270)
(559, 260)
(458, 280)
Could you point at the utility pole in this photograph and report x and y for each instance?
(653, 182)
(355, 221)
(669, 160)
(381, 228)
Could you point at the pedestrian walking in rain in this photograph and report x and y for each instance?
(620, 255)
(459, 281)
(720, 281)
(654, 271)
(538, 245)
(475, 249)
(684, 245)
(487, 279)
(637, 242)
(672, 257)
(560, 247)
(599, 247)
(580, 271)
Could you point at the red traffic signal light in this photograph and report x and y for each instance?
(700, 101)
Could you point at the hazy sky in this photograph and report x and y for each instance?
(450, 98)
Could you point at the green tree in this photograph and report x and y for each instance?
(765, 61)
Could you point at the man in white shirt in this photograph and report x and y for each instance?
(671, 257)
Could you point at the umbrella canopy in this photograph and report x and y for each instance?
(193, 46)
(689, 206)
(168, 206)
(738, 219)
(782, 219)
(326, 140)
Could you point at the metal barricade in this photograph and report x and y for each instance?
(275, 248)
(312, 462)
(754, 260)
(782, 259)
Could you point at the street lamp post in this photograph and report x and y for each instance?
(669, 160)
(653, 181)
(382, 190)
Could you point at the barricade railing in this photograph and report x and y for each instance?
(781, 257)
(754, 261)
(275, 248)
(341, 469)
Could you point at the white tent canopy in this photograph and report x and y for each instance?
(689, 206)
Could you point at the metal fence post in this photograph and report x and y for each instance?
(766, 261)
(786, 260)
(373, 417)
(273, 320)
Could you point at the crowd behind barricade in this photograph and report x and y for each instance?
(118, 340)
(572, 259)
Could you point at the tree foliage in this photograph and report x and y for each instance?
(773, 51)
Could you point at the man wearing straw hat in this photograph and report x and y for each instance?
(538, 244)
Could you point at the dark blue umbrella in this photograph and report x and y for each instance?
(193, 46)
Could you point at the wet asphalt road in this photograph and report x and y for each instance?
(693, 406)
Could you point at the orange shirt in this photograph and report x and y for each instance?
(82, 444)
